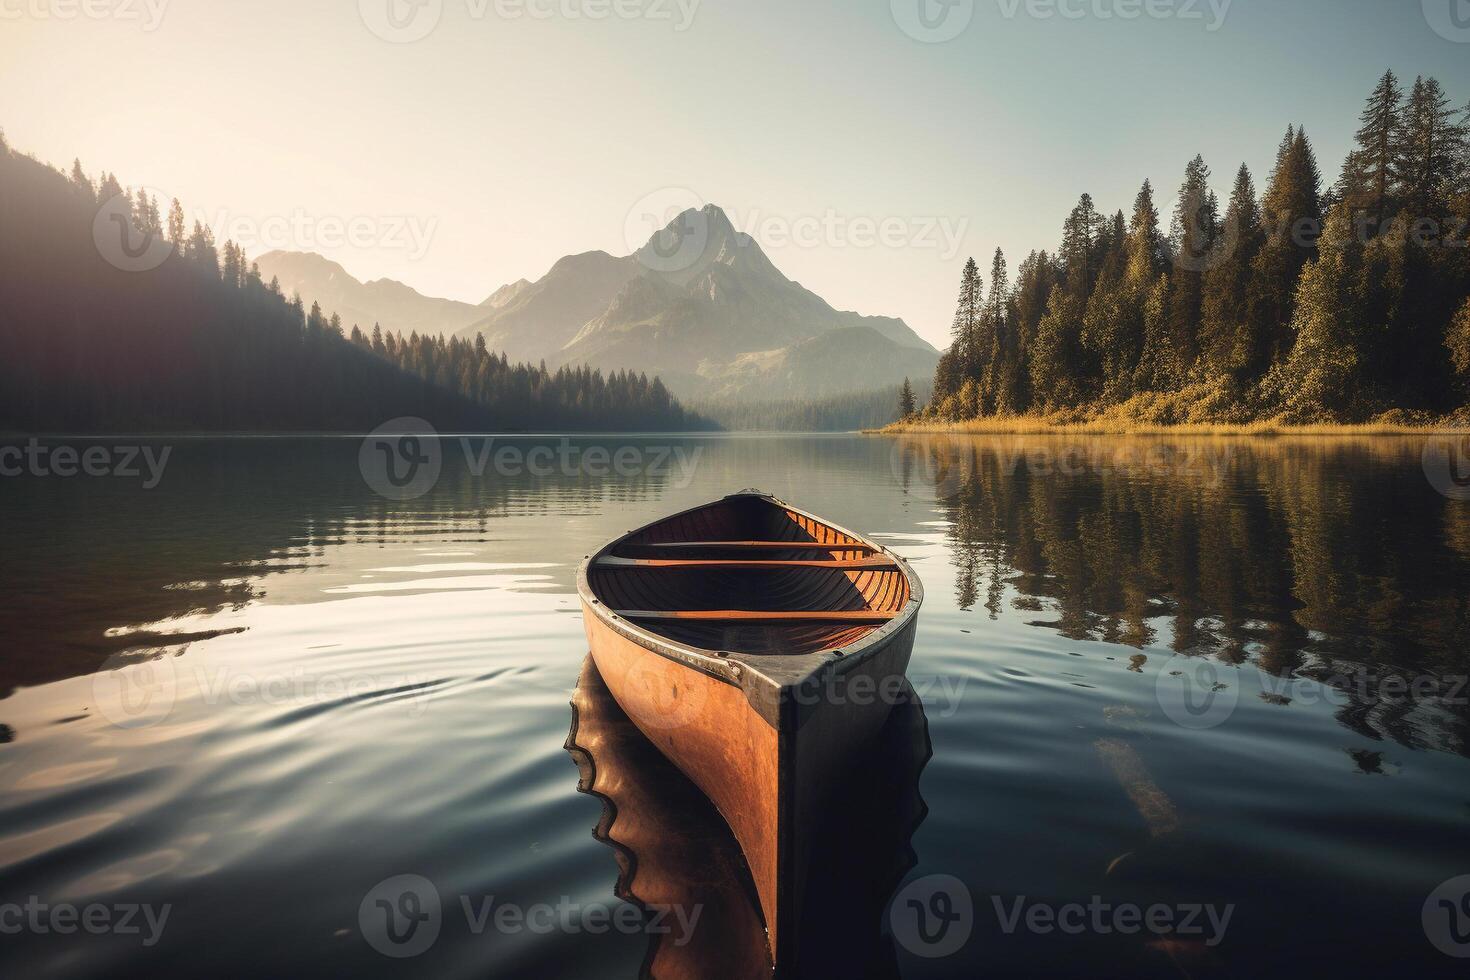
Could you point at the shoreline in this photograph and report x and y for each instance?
(1030, 426)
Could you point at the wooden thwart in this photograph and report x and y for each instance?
(756, 545)
(761, 616)
(844, 564)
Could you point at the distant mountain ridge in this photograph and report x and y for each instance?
(700, 304)
(396, 306)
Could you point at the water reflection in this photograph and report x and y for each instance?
(1328, 559)
(674, 850)
(99, 568)
(425, 650)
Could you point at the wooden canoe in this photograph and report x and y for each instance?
(675, 851)
(760, 648)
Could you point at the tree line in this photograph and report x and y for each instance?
(835, 413)
(1302, 305)
(117, 316)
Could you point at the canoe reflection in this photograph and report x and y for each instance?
(675, 851)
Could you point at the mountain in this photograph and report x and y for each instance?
(819, 367)
(107, 326)
(703, 306)
(536, 320)
(383, 301)
(505, 294)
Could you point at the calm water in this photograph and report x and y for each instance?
(1152, 673)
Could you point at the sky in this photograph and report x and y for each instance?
(869, 145)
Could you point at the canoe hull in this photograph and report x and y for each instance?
(770, 783)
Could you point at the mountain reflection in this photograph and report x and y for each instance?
(674, 850)
(100, 568)
(1307, 557)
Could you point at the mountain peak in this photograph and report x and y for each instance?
(696, 239)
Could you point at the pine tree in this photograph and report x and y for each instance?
(108, 188)
(1146, 245)
(906, 400)
(965, 330)
(1079, 252)
(1291, 213)
(1369, 179)
(201, 251)
(232, 269)
(79, 179)
(1196, 220)
(995, 381)
(1322, 379)
(176, 225)
(1226, 340)
(1056, 357)
(1429, 152)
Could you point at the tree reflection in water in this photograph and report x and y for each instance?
(1331, 559)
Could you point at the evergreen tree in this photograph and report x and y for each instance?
(1056, 356)
(1322, 379)
(1370, 180)
(1196, 219)
(1079, 252)
(1147, 250)
(965, 331)
(1429, 152)
(906, 400)
(176, 225)
(1226, 339)
(994, 333)
(108, 188)
(1291, 213)
(80, 179)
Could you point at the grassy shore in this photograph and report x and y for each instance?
(1108, 425)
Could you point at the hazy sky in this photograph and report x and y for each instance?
(846, 134)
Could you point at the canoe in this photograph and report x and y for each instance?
(674, 851)
(760, 648)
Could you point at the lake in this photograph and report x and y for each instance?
(1182, 707)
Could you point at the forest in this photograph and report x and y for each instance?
(1304, 305)
(115, 317)
(835, 413)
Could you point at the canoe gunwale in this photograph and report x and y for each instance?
(763, 677)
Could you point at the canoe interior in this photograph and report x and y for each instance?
(728, 561)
